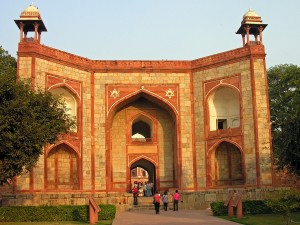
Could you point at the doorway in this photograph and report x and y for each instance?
(143, 171)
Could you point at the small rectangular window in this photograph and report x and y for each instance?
(221, 124)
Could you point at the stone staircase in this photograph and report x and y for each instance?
(144, 203)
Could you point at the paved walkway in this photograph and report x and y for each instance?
(181, 217)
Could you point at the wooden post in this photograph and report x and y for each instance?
(93, 210)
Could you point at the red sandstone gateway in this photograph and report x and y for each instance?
(195, 126)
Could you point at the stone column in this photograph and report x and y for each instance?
(36, 26)
(21, 31)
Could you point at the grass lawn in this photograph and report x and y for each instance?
(264, 219)
(101, 222)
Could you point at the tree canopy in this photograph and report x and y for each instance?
(28, 121)
(7, 64)
(284, 95)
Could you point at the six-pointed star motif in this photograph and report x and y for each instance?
(169, 93)
(114, 93)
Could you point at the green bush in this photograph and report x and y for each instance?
(53, 213)
(107, 212)
(256, 207)
(218, 208)
(249, 207)
(285, 203)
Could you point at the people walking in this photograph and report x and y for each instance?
(165, 201)
(175, 200)
(156, 201)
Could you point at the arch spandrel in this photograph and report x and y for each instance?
(53, 82)
(133, 158)
(232, 82)
(60, 143)
(165, 96)
(217, 143)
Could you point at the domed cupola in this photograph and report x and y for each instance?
(30, 21)
(251, 24)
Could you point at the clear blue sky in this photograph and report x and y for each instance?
(156, 29)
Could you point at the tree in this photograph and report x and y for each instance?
(28, 121)
(284, 203)
(7, 64)
(284, 95)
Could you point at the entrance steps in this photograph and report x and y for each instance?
(146, 203)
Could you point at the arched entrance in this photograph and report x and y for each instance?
(143, 171)
(143, 127)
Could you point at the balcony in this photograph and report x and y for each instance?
(225, 132)
(141, 139)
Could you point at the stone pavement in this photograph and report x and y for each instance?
(180, 217)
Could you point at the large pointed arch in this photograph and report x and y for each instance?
(158, 101)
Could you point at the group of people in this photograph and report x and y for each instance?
(145, 189)
(141, 189)
(157, 198)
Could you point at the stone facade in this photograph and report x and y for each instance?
(204, 125)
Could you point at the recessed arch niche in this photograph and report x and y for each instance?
(224, 108)
(70, 101)
(226, 163)
(62, 171)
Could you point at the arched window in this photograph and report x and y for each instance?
(70, 101)
(141, 129)
(224, 109)
(227, 165)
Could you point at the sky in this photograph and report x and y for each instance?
(156, 29)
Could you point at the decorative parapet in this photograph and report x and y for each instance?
(234, 55)
(185, 66)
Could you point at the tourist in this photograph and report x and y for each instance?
(156, 201)
(175, 200)
(141, 190)
(145, 188)
(135, 192)
(165, 201)
(149, 186)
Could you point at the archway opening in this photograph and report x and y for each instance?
(141, 129)
(227, 166)
(142, 172)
